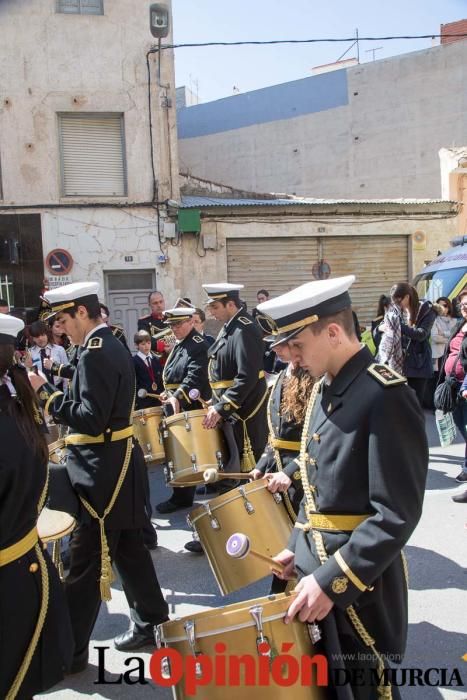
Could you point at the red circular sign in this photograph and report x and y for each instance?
(59, 262)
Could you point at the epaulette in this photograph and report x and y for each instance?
(197, 339)
(94, 343)
(385, 375)
(246, 321)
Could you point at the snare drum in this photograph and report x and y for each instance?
(190, 448)
(252, 510)
(54, 433)
(146, 424)
(242, 627)
(57, 451)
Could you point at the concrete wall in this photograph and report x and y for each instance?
(381, 139)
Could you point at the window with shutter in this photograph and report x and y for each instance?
(83, 7)
(92, 155)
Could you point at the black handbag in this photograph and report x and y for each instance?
(446, 393)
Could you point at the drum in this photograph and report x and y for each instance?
(146, 424)
(252, 510)
(54, 433)
(190, 448)
(53, 525)
(245, 629)
(57, 451)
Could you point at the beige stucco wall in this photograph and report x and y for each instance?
(52, 62)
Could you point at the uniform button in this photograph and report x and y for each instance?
(329, 407)
(34, 567)
(108, 430)
(226, 407)
(312, 461)
(316, 437)
(297, 475)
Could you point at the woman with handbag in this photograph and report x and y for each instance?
(453, 369)
(36, 643)
(415, 331)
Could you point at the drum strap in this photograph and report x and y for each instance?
(26, 662)
(107, 576)
(384, 691)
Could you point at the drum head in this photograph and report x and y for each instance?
(186, 416)
(54, 524)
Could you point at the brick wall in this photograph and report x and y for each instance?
(459, 27)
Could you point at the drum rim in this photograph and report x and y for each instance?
(275, 598)
(185, 415)
(153, 410)
(226, 498)
(57, 445)
(62, 533)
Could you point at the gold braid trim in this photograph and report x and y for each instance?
(384, 692)
(405, 567)
(248, 461)
(277, 456)
(26, 662)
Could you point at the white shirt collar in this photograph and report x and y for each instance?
(144, 357)
(97, 328)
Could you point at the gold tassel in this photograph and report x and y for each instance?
(248, 461)
(107, 574)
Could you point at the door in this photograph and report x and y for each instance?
(127, 298)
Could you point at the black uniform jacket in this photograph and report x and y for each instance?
(119, 333)
(367, 455)
(99, 401)
(22, 478)
(187, 368)
(282, 427)
(237, 355)
(144, 381)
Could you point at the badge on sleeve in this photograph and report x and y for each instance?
(385, 375)
(94, 343)
(339, 584)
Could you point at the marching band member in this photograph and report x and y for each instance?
(236, 374)
(116, 330)
(186, 368)
(32, 603)
(153, 324)
(363, 488)
(107, 472)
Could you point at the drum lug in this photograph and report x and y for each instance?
(314, 632)
(169, 471)
(214, 521)
(220, 463)
(166, 671)
(187, 423)
(248, 506)
(191, 637)
(194, 466)
(277, 497)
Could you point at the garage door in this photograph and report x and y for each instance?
(279, 264)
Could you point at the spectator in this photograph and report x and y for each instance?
(199, 318)
(43, 349)
(440, 334)
(390, 344)
(383, 305)
(148, 371)
(418, 362)
(4, 306)
(57, 336)
(454, 363)
(262, 295)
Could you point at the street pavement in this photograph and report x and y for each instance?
(437, 558)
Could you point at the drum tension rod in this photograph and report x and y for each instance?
(248, 506)
(166, 670)
(214, 521)
(257, 614)
(191, 637)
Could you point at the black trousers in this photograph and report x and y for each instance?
(138, 576)
(183, 496)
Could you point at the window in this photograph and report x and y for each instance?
(92, 151)
(81, 7)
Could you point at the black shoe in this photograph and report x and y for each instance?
(150, 537)
(462, 477)
(194, 546)
(460, 498)
(169, 507)
(133, 639)
(79, 664)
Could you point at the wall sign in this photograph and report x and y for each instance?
(59, 262)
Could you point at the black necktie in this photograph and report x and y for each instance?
(47, 372)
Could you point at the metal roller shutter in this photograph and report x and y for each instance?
(279, 264)
(92, 153)
(275, 264)
(378, 262)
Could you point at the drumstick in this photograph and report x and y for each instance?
(238, 547)
(212, 475)
(195, 395)
(142, 393)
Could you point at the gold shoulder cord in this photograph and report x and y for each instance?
(107, 576)
(384, 691)
(23, 669)
(277, 455)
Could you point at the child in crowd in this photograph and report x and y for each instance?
(42, 348)
(148, 371)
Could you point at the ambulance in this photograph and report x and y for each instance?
(446, 275)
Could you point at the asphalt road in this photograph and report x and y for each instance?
(437, 557)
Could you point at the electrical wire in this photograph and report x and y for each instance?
(273, 42)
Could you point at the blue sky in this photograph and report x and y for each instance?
(217, 70)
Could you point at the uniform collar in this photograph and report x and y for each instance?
(143, 356)
(94, 330)
(226, 325)
(352, 368)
